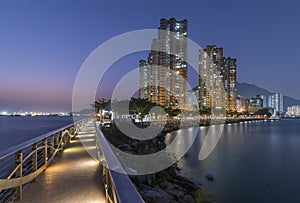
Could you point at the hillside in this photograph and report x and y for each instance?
(250, 90)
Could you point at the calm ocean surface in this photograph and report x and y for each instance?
(15, 130)
(253, 162)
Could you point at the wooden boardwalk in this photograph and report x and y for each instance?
(73, 176)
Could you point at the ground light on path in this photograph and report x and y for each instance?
(72, 177)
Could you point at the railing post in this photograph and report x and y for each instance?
(45, 152)
(77, 127)
(34, 157)
(57, 139)
(69, 135)
(105, 179)
(64, 141)
(114, 193)
(106, 185)
(19, 173)
(100, 154)
(52, 144)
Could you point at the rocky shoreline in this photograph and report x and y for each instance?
(176, 189)
(166, 186)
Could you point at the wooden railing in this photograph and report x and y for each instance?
(21, 164)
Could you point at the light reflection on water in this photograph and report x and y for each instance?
(253, 162)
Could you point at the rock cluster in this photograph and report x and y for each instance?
(166, 186)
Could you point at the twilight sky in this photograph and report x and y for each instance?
(44, 43)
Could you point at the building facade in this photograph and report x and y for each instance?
(229, 81)
(276, 101)
(256, 102)
(265, 99)
(242, 104)
(144, 79)
(217, 79)
(294, 110)
(164, 78)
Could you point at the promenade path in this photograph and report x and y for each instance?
(73, 176)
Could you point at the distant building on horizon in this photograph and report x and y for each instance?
(274, 101)
(164, 77)
(294, 110)
(265, 99)
(242, 104)
(256, 102)
(217, 74)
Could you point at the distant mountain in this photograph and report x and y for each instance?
(289, 101)
(85, 111)
(250, 90)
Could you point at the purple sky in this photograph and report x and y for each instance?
(43, 44)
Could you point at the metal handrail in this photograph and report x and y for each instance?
(14, 149)
(24, 162)
(118, 186)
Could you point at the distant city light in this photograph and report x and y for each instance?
(26, 113)
(4, 113)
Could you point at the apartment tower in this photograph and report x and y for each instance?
(217, 79)
(164, 77)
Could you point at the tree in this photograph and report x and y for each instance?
(172, 112)
(101, 104)
(205, 111)
(140, 106)
(263, 112)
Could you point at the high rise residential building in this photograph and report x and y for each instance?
(294, 110)
(242, 104)
(229, 80)
(276, 101)
(256, 102)
(265, 99)
(144, 79)
(273, 101)
(210, 60)
(217, 79)
(166, 72)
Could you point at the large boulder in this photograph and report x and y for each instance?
(156, 195)
(176, 194)
(188, 199)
